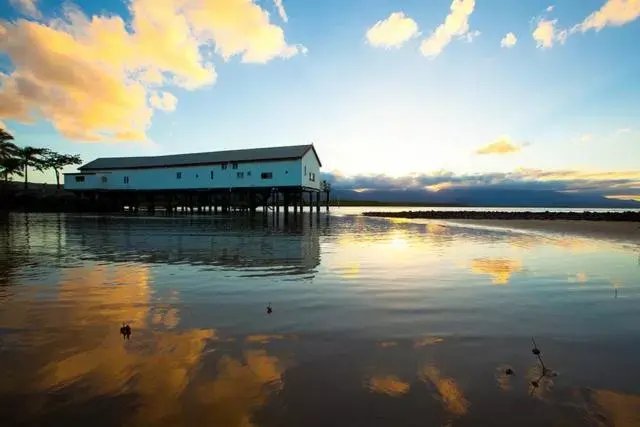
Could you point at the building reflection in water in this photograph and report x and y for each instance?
(257, 248)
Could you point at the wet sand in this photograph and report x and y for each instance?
(614, 230)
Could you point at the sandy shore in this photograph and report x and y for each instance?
(616, 230)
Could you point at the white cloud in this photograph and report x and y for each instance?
(613, 13)
(91, 77)
(623, 131)
(164, 101)
(456, 24)
(471, 36)
(26, 7)
(281, 11)
(502, 145)
(545, 33)
(509, 40)
(394, 31)
(550, 8)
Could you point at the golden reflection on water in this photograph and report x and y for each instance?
(155, 368)
(191, 376)
(263, 339)
(390, 385)
(623, 410)
(421, 342)
(500, 269)
(162, 369)
(580, 278)
(448, 391)
(240, 387)
(349, 270)
(106, 294)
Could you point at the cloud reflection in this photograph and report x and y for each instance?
(390, 385)
(239, 388)
(623, 410)
(82, 354)
(501, 269)
(448, 391)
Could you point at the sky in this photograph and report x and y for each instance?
(458, 91)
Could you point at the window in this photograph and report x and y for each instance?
(223, 166)
(103, 179)
(234, 165)
(240, 175)
(266, 175)
(79, 178)
(178, 175)
(126, 179)
(248, 173)
(211, 175)
(312, 177)
(305, 169)
(197, 176)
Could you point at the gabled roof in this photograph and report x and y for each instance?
(192, 159)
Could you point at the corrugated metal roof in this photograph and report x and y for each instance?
(246, 155)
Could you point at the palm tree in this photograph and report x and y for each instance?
(31, 157)
(10, 166)
(57, 161)
(7, 148)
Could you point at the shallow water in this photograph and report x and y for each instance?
(375, 322)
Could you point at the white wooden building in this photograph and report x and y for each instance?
(284, 168)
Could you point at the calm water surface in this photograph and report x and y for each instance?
(375, 322)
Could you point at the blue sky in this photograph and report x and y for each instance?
(573, 104)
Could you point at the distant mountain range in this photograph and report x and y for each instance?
(486, 197)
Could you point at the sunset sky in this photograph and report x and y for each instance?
(393, 87)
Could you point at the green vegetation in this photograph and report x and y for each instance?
(16, 161)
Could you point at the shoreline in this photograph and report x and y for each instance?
(622, 227)
(619, 231)
(590, 216)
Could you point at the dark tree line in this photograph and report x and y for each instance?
(16, 161)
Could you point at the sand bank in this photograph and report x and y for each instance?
(615, 230)
(620, 226)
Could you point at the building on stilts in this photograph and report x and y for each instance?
(271, 178)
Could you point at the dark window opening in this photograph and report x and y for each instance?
(224, 166)
(266, 175)
(305, 169)
(197, 176)
(240, 174)
(234, 165)
(312, 176)
(126, 179)
(79, 178)
(211, 174)
(248, 173)
(103, 179)
(178, 175)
